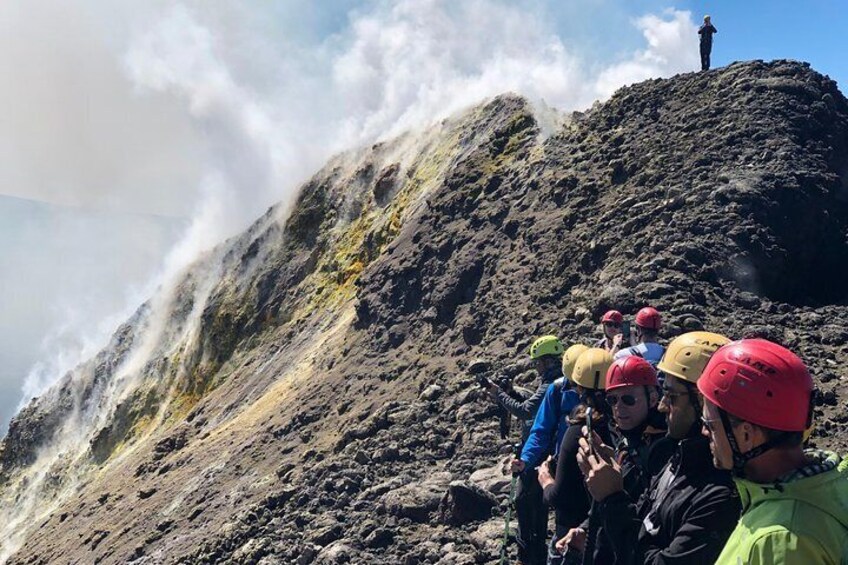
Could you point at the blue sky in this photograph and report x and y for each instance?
(809, 30)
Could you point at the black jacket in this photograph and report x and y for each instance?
(685, 516)
(567, 495)
(641, 453)
(706, 32)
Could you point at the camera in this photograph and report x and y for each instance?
(483, 381)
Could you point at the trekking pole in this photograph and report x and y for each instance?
(508, 515)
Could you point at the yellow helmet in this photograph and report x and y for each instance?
(706, 18)
(591, 368)
(687, 354)
(546, 345)
(570, 358)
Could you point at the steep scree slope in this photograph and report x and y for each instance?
(321, 411)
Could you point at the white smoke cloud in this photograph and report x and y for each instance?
(214, 111)
(73, 132)
(178, 57)
(416, 61)
(60, 295)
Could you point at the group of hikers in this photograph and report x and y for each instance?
(692, 453)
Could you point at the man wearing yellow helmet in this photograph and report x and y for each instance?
(546, 353)
(690, 507)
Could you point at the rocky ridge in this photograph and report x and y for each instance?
(303, 396)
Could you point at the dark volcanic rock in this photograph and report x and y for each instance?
(466, 502)
(418, 500)
(381, 537)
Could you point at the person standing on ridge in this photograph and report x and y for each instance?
(706, 32)
(548, 356)
(644, 338)
(758, 401)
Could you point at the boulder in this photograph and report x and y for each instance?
(339, 552)
(492, 479)
(417, 500)
(465, 502)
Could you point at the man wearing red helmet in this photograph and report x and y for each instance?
(640, 452)
(757, 404)
(644, 341)
(611, 324)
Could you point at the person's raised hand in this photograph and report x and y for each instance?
(597, 445)
(601, 472)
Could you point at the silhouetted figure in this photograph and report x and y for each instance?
(706, 32)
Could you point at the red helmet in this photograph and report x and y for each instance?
(648, 318)
(630, 371)
(760, 382)
(613, 316)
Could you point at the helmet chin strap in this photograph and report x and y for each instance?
(694, 398)
(741, 459)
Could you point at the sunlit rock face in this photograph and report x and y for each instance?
(299, 393)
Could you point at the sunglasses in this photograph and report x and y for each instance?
(612, 324)
(626, 399)
(709, 424)
(672, 395)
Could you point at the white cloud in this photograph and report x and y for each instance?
(415, 61)
(671, 50)
(178, 57)
(69, 278)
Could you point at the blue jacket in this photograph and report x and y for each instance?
(550, 423)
